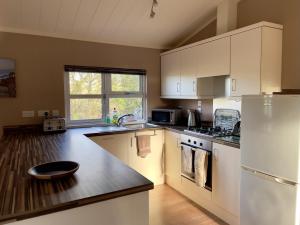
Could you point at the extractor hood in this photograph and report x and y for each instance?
(211, 87)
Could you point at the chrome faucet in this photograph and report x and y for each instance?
(119, 121)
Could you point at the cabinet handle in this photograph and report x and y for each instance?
(131, 142)
(178, 143)
(215, 153)
(194, 86)
(233, 84)
(177, 86)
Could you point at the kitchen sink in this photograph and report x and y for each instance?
(111, 129)
(140, 126)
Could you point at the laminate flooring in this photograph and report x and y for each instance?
(168, 207)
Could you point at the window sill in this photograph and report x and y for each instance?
(82, 125)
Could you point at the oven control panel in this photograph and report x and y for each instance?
(196, 142)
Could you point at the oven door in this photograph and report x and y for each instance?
(187, 162)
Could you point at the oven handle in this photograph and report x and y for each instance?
(196, 148)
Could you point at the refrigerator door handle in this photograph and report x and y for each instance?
(269, 177)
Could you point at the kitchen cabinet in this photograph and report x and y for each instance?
(256, 62)
(180, 69)
(189, 71)
(123, 146)
(116, 144)
(250, 56)
(173, 159)
(170, 68)
(152, 166)
(226, 178)
(214, 58)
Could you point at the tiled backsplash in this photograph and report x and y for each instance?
(207, 106)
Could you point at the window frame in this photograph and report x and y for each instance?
(107, 93)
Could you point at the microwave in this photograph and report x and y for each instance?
(166, 116)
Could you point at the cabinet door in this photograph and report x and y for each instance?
(226, 178)
(214, 58)
(152, 165)
(189, 71)
(170, 74)
(246, 63)
(173, 159)
(117, 144)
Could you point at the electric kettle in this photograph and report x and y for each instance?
(191, 119)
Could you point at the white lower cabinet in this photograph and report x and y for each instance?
(173, 159)
(226, 178)
(223, 200)
(123, 146)
(152, 166)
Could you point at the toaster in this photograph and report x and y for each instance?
(54, 124)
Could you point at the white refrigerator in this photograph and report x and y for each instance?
(270, 160)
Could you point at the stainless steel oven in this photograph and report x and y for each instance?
(189, 145)
(165, 116)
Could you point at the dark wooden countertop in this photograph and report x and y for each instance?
(101, 175)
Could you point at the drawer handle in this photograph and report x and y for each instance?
(233, 84)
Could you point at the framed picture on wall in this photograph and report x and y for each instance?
(7, 78)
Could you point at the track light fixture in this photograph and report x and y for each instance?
(154, 5)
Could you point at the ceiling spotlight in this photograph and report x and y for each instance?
(154, 4)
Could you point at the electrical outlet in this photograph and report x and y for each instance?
(27, 114)
(41, 113)
(55, 112)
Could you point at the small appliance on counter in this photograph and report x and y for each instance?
(191, 119)
(166, 116)
(52, 124)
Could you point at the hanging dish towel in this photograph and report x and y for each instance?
(186, 160)
(201, 161)
(143, 145)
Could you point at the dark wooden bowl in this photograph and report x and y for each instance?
(54, 170)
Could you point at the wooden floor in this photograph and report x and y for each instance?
(168, 207)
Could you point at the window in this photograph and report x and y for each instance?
(92, 95)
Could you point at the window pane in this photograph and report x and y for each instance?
(85, 83)
(124, 82)
(127, 105)
(85, 109)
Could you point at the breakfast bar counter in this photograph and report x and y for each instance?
(101, 176)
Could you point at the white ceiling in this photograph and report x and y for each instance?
(124, 22)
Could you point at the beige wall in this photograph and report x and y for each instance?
(40, 65)
(209, 31)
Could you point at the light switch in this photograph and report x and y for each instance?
(41, 113)
(27, 114)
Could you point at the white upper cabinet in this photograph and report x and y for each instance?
(170, 70)
(214, 58)
(250, 56)
(189, 71)
(181, 69)
(245, 63)
(256, 62)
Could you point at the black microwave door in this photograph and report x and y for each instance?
(161, 117)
